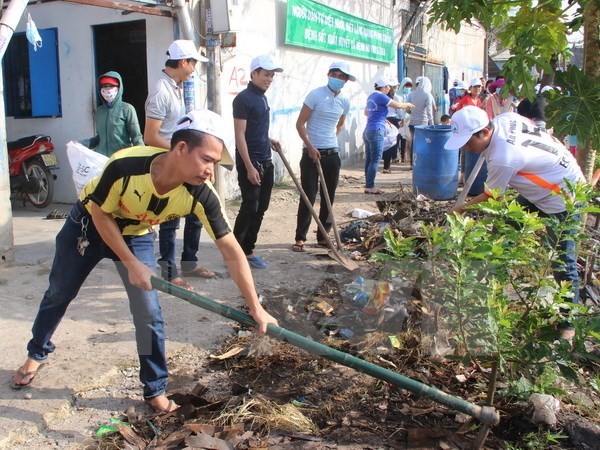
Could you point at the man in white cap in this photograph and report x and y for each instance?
(532, 162)
(164, 106)
(321, 120)
(253, 155)
(139, 188)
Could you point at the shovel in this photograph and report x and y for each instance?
(336, 232)
(333, 253)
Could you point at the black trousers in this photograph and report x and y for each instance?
(392, 152)
(255, 201)
(309, 176)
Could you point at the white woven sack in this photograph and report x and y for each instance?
(85, 163)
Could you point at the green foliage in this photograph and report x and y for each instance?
(492, 281)
(577, 110)
(538, 441)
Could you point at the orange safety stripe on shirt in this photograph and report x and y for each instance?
(540, 182)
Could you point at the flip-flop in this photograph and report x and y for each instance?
(172, 406)
(298, 248)
(257, 262)
(200, 272)
(22, 375)
(178, 281)
(373, 191)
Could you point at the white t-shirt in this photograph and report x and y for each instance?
(529, 160)
(327, 108)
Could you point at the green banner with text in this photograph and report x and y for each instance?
(312, 25)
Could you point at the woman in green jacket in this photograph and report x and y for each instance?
(117, 124)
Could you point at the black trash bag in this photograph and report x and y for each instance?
(352, 232)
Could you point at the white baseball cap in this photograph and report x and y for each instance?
(465, 123)
(381, 81)
(208, 122)
(475, 82)
(342, 67)
(184, 49)
(264, 62)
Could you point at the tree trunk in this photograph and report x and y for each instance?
(591, 66)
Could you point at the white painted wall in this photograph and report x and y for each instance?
(304, 70)
(263, 31)
(77, 76)
(462, 53)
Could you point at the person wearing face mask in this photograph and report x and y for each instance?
(496, 104)
(376, 111)
(321, 120)
(117, 125)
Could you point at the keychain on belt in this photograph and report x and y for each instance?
(82, 241)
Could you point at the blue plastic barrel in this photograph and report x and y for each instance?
(470, 161)
(435, 170)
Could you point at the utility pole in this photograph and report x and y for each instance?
(213, 79)
(8, 23)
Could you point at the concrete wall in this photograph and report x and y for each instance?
(77, 75)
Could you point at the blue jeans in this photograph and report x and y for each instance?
(69, 271)
(166, 245)
(565, 267)
(373, 150)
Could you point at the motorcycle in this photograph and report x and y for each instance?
(30, 163)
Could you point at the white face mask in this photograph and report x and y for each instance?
(109, 94)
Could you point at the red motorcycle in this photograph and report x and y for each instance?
(30, 163)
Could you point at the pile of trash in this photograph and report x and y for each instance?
(402, 211)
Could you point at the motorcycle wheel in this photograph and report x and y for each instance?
(38, 170)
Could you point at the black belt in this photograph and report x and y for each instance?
(323, 151)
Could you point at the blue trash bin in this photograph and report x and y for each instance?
(435, 170)
(470, 161)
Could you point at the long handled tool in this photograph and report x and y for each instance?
(486, 414)
(336, 232)
(334, 253)
(470, 181)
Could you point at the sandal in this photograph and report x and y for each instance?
(257, 262)
(200, 272)
(373, 191)
(298, 248)
(19, 376)
(178, 281)
(171, 406)
(386, 171)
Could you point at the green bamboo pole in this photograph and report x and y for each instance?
(485, 414)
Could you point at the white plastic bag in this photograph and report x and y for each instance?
(391, 135)
(85, 163)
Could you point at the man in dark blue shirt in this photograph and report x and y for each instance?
(253, 155)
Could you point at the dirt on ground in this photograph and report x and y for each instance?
(237, 389)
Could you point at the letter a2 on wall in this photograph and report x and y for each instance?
(312, 25)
